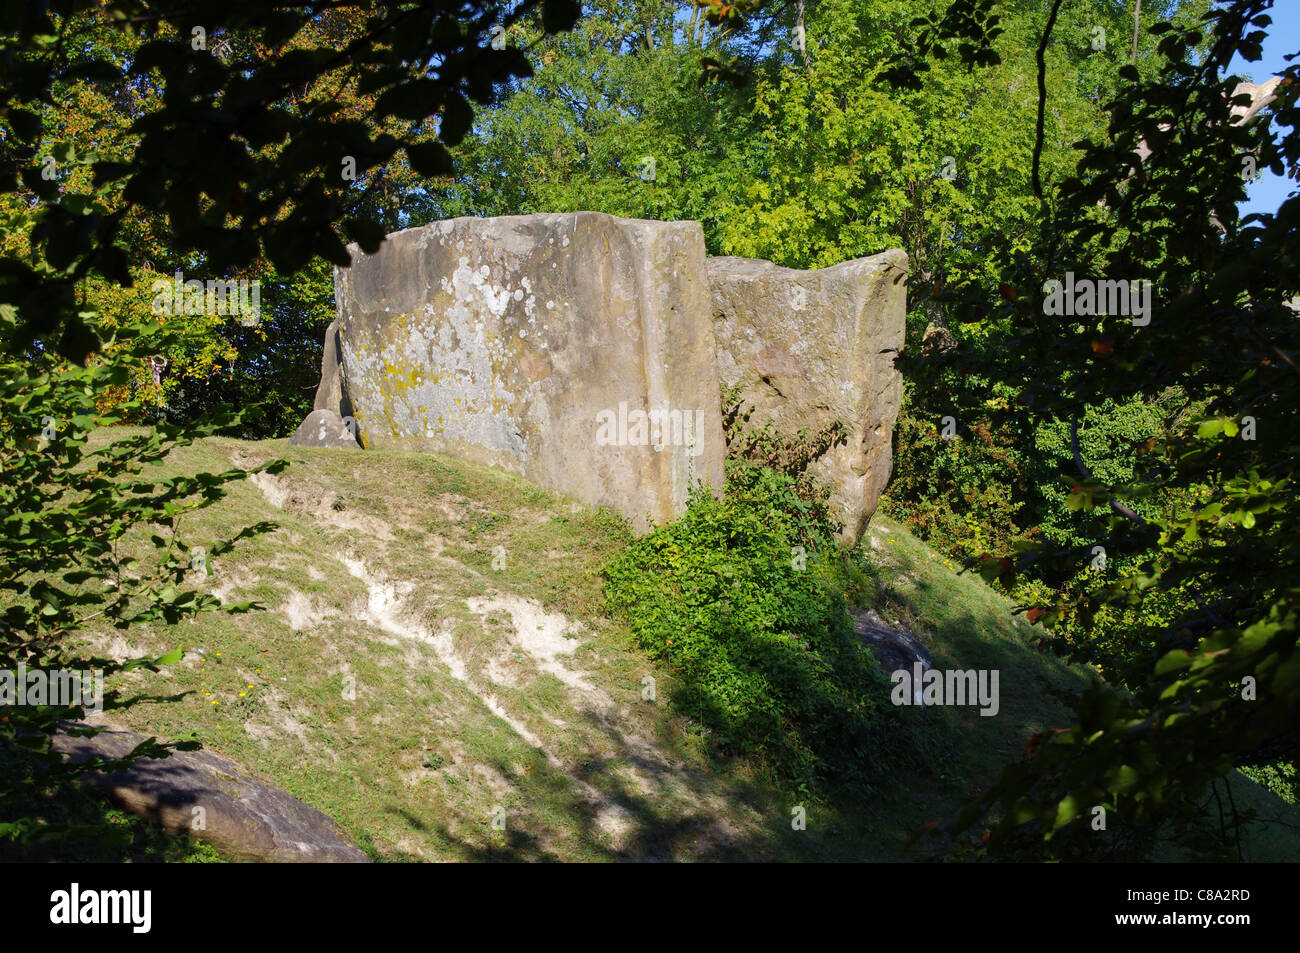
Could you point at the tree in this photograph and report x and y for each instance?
(1220, 686)
(226, 161)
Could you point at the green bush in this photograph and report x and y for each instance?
(1006, 482)
(757, 631)
(965, 496)
(1111, 437)
(779, 470)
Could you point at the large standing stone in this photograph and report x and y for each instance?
(539, 344)
(810, 347)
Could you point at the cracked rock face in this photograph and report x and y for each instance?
(572, 349)
(330, 393)
(811, 347)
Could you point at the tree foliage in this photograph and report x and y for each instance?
(1204, 510)
(219, 136)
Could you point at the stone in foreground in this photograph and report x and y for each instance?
(243, 818)
(811, 347)
(573, 349)
(323, 428)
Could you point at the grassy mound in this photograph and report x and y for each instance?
(435, 667)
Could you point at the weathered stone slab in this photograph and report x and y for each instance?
(331, 392)
(543, 345)
(810, 347)
(324, 428)
(244, 818)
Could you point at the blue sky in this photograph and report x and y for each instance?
(1267, 193)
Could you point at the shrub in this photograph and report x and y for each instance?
(742, 597)
(766, 653)
(964, 496)
(779, 470)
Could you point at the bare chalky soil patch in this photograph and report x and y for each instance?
(435, 706)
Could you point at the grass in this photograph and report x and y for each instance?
(434, 648)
